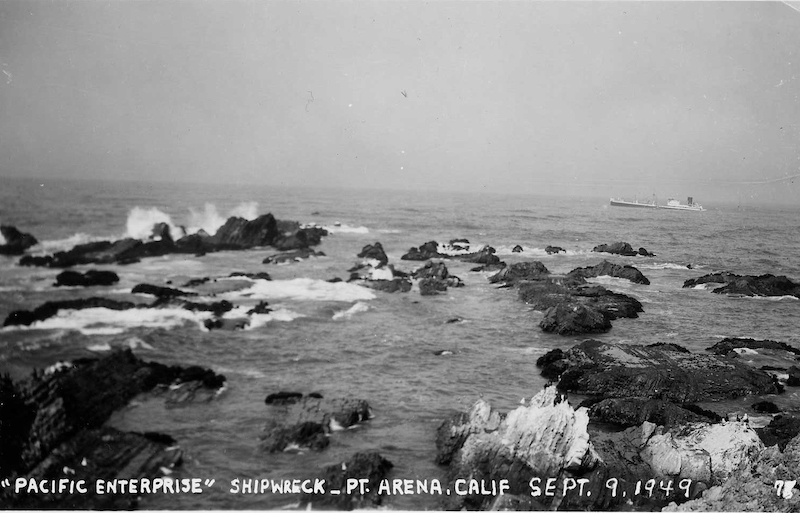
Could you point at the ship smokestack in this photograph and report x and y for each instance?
(690, 200)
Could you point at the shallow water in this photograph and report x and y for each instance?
(344, 340)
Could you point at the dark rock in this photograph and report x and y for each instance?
(617, 248)
(459, 241)
(426, 251)
(309, 421)
(766, 407)
(283, 398)
(764, 285)
(161, 232)
(239, 233)
(780, 431)
(644, 252)
(51, 308)
(516, 249)
(88, 279)
(370, 466)
(606, 268)
(83, 398)
(717, 277)
(375, 252)
(194, 282)
(727, 345)
(253, 276)
(574, 319)
(520, 271)
(36, 261)
(261, 308)
(794, 376)
(217, 307)
(393, 285)
(554, 249)
(334, 280)
(625, 370)
(431, 286)
(160, 292)
(292, 256)
(633, 411)
(454, 320)
(484, 256)
(294, 241)
(16, 242)
(489, 267)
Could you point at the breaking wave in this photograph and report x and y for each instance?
(303, 289)
(344, 228)
(346, 314)
(139, 224)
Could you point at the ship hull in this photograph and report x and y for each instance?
(632, 204)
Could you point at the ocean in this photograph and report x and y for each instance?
(343, 340)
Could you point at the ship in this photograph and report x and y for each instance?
(672, 204)
(616, 202)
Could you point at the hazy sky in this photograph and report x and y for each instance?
(673, 98)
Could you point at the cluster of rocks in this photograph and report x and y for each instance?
(486, 255)
(639, 424)
(165, 297)
(622, 248)
(236, 234)
(53, 424)
(747, 285)
(377, 273)
(571, 305)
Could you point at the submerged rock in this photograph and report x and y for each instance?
(90, 278)
(309, 421)
(292, 256)
(606, 268)
(654, 372)
(16, 242)
(369, 466)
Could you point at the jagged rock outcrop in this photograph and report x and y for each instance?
(554, 249)
(434, 278)
(574, 319)
(374, 252)
(426, 251)
(606, 268)
(160, 292)
(517, 249)
(763, 285)
(16, 242)
(236, 234)
(759, 484)
(90, 278)
(56, 419)
(654, 372)
(520, 271)
(309, 421)
(633, 411)
(617, 248)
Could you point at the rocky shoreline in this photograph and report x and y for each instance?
(644, 436)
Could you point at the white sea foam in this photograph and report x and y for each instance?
(346, 314)
(105, 346)
(58, 366)
(52, 246)
(389, 230)
(141, 220)
(136, 342)
(281, 314)
(210, 219)
(103, 321)
(665, 265)
(303, 289)
(2, 239)
(344, 228)
(381, 274)
(769, 298)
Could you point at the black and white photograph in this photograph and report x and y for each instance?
(399, 255)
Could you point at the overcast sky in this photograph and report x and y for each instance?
(674, 98)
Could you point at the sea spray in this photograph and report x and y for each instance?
(141, 220)
(210, 219)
